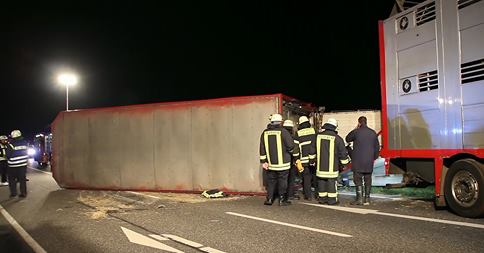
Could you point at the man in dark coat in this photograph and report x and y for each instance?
(365, 150)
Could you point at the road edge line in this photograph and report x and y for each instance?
(21, 231)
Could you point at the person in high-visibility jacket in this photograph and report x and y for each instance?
(276, 151)
(17, 164)
(331, 154)
(306, 139)
(3, 159)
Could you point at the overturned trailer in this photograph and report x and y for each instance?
(187, 146)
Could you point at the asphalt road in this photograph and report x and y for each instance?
(86, 221)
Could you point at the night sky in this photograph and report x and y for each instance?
(324, 52)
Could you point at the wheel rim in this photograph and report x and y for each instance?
(465, 188)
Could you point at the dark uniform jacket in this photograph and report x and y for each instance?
(306, 138)
(17, 153)
(365, 149)
(3, 152)
(276, 147)
(330, 153)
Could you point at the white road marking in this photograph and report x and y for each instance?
(372, 196)
(186, 242)
(27, 238)
(342, 208)
(372, 211)
(159, 238)
(210, 250)
(46, 172)
(290, 225)
(146, 241)
(183, 240)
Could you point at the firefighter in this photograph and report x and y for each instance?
(3, 159)
(293, 172)
(17, 164)
(331, 155)
(306, 138)
(276, 149)
(366, 149)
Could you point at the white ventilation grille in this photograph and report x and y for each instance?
(428, 81)
(425, 14)
(472, 71)
(464, 3)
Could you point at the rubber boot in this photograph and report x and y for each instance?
(268, 202)
(359, 196)
(366, 201)
(283, 201)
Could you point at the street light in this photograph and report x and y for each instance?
(67, 79)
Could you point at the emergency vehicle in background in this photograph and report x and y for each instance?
(432, 86)
(42, 146)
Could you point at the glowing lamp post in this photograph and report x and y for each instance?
(67, 79)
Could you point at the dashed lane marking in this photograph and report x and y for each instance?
(374, 196)
(290, 225)
(372, 211)
(27, 238)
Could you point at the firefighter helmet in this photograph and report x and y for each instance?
(3, 138)
(276, 117)
(332, 121)
(288, 123)
(303, 119)
(16, 133)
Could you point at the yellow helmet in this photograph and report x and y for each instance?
(303, 119)
(276, 117)
(16, 133)
(288, 123)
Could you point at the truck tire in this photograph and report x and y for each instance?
(464, 188)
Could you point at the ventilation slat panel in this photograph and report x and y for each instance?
(464, 3)
(425, 13)
(472, 71)
(428, 81)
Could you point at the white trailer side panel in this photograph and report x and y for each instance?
(184, 146)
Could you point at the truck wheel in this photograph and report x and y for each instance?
(464, 188)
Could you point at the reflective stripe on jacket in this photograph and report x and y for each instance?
(307, 140)
(3, 152)
(330, 152)
(276, 147)
(17, 153)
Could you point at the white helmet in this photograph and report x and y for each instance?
(288, 123)
(276, 117)
(16, 133)
(3, 138)
(332, 121)
(303, 119)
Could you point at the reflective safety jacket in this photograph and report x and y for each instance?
(17, 153)
(306, 138)
(330, 153)
(276, 147)
(3, 152)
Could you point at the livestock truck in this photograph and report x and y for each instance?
(184, 146)
(432, 86)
